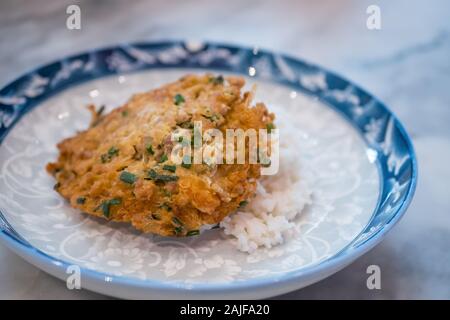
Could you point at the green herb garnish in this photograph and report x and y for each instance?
(153, 175)
(115, 201)
(213, 118)
(112, 152)
(124, 113)
(178, 230)
(243, 203)
(186, 163)
(166, 178)
(193, 233)
(127, 177)
(177, 221)
(270, 127)
(171, 168)
(163, 158)
(81, 200)
(166, 207)
(106, 206)
(178, 99)
(178, 225)
(149, 149)
(266, 162)
(217, 80)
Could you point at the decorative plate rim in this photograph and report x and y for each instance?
(285, 76)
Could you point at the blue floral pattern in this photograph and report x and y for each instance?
(387, 141)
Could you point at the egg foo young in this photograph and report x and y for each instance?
(121, 168)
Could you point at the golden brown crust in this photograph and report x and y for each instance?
(134, 139)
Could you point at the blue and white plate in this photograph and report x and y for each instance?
(361, 158)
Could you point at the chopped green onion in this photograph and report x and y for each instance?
(149, 149)
(106, 157)
(178, 99)
(171, 168)
(177, 221)
(166, 178)
(113, 151)
(163, 158)
(243, 203)
(266, 162)
(166, 207)
(115, 201)
(217, 80)
(270, 127)
(81, 200)
(128, 177)
(124, 113)
(153, 175)
(213, 118)
(106, 206)
(178, 230)
(193, 233)
(186, 163)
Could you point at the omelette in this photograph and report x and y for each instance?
(120, 169)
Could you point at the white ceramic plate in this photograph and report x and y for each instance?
(116, 260)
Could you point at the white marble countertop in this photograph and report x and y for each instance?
(406, 64)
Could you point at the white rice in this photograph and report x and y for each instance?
(268, 219)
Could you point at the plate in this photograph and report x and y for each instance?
(360, 158)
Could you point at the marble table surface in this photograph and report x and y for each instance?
(406, 64)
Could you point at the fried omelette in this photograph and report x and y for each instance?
(119, 167)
